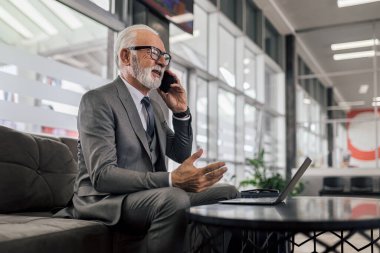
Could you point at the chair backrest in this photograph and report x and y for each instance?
(361, 184)
(333, 184)
(36, 173)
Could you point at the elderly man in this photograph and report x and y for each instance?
(124, 138)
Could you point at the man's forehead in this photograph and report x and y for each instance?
(147, 38)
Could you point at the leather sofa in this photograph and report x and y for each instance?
(36, 179)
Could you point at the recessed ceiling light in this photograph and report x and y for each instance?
(307, 101)
(179, 19)
(363, 88)
(64, 13)
(15, 24)
(354, 44)
(351, 103)
(354, 55)
(346, 3)
(246, 61)
(27, 9)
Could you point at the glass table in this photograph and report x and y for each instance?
(309, 216)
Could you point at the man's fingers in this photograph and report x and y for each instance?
(216, 173)
(194, 156)
(208, 183)
(212, 166)
(177, 87)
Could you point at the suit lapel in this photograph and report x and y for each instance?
(130, 107)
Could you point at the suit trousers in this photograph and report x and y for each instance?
(159, 216)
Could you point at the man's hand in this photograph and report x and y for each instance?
(192, 179)
(175, 99)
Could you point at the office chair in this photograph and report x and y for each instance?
(331, 186)
(361, 184)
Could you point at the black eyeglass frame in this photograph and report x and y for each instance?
(167, 56)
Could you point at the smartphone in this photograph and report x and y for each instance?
(167, 80)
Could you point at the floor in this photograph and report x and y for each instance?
(358, 241)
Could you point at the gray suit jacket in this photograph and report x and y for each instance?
(113, 152)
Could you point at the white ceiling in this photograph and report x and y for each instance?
(319, 23)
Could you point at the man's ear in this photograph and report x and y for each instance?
(125, 56)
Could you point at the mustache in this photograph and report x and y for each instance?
(158, 68)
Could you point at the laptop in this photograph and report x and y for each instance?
(273, 200)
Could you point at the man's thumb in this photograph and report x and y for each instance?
(194, 156)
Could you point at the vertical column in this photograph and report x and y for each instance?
(290, 103)
(330, 127)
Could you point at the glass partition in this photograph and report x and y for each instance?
(250, 76)
(202, 115)
(50, 55)
(226, 125)
(227, 57)
(336, 110)
(192, 47)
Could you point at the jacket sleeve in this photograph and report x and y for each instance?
(179, 143)
(96, 125)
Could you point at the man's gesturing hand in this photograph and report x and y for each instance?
(192, 179)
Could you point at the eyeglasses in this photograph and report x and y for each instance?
(155, 53)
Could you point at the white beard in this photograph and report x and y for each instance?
(144, 75)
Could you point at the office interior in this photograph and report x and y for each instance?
(294, 78)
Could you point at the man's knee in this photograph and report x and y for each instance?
(174, 199)
(227, 191)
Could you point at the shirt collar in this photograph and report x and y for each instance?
(137, 96)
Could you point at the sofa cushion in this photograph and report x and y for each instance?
(46, 235)
(36, 173)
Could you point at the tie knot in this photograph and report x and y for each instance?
(146, 101)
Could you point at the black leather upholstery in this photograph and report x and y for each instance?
(36, 176)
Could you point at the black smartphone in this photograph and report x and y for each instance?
(167, 80)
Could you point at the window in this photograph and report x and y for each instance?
(270, 88)
(253, 22)
(272, 42)
(227, 57)
(250, 131)
(233, 10)
(192, 47)
(56, 56)
(249, 71)
(226, 125)
(202, 114)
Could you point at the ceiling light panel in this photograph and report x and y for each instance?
(15, 24)
(354, 44)
(363, 88)
(347, 3)
(64, 13)
(354, 55)
(28, 10)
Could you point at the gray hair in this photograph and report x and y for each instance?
(126, 38)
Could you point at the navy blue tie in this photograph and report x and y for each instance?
(150, 120)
